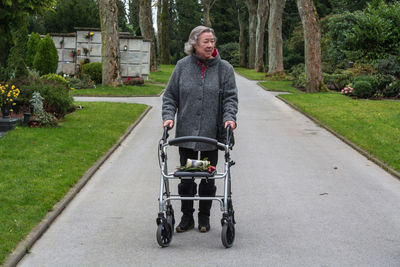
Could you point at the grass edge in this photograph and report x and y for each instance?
(362, 151)
(26, 244)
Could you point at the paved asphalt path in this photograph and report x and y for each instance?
(302, 198)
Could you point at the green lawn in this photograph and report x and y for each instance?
(39, 165)
(162, 75)
(251, 74)
(373, 125)
(280, 86)
(143, 90)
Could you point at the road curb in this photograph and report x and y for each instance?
(125, 96)
(363, 152)
(25, 245)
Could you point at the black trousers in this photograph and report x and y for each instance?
(188, 187)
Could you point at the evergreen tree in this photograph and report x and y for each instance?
(224, 22)
(69, 14)
(12, 12)
(184, 15)
(16, 58)
(32, 46)
(46, 58)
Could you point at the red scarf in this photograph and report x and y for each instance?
(203, 65)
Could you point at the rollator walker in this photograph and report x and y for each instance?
(165, 219)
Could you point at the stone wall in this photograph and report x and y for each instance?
(85, 44)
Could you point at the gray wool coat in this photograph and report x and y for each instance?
(193, 98)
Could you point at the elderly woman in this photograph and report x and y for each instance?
(192, 94)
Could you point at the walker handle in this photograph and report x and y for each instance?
(200, 139)
(165, 134)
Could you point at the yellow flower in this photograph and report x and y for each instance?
(11, 100)
(91, 33)
(11, 109)
(14, 104)
(6, 85)
(12, 87)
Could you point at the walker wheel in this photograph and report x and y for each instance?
(228, 234)
(164, 234)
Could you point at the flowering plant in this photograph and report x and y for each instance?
(8, 94)
(197, 165)
(347, 90)
(89, 35)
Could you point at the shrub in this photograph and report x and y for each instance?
(363, 89)
(368, 78)
(375, 33)
(230, 52)
(389, 66)
(383, 81)
(94, 70)
(41, 117)
(134, 81)
(338, 79)
(360, 68)
(5, 73)
(33, 43)
(56, 78)
(56, 100)
(82, 83)
(392, 90)
(46, 58)
(334, 44)
(299, 74)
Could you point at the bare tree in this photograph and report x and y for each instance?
(252, 8)
(275, 42)
(110, 42)
(262, 16)
(312, 46)
(146, 27)
(243, 32)
(207, 5)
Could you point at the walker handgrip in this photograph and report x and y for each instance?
(185, 139)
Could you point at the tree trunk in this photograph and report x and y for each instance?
(164, 36)
(312, 46)
(110, 42)
(275, 42)
(146, 27)
(159, 8)
(262, 16)
(207, 5)
(244, 33)
(252, 8)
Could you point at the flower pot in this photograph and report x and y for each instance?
(27, 117)
(5, 110)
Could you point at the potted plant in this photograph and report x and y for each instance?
(8, 95)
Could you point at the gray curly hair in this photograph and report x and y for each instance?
(194, 37)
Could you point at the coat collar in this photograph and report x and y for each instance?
(208, 62)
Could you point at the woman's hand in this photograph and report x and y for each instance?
(231, 123)
(169, 123)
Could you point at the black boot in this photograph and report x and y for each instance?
(187, 221)
(204, 220)
(206, 189)
(186, 188)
